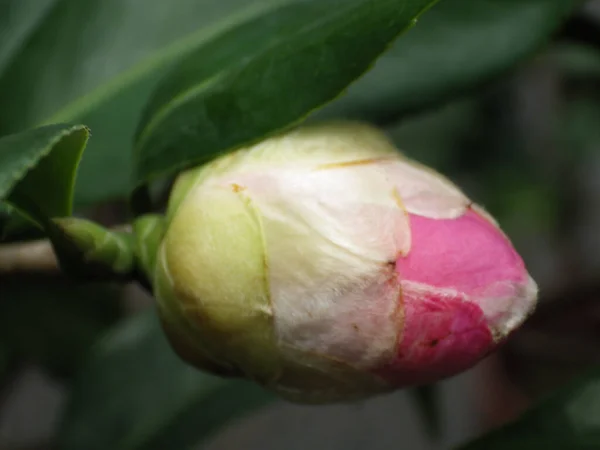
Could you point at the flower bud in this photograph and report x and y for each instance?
(326, 266)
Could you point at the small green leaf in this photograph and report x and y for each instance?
(457, 46)
(38, 167)
(264, 76)
(566, 421)
(135, 394)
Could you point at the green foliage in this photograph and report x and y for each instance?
(418, 70)
(18, 19)
(134, 393)
(260, 78)
(54, 322)
(100, 74)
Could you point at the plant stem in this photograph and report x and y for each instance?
(28, 257)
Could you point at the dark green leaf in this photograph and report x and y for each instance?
(457, 45)
(96, 62)
(567, 421)
(54, 322)
(38, 167)
(264, 76)
(135, 393)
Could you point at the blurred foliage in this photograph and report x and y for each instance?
(567, 420)
(456, 93)
(102, 73)
(54, 322)
(6, 359)
(134, 393)
(426, 399)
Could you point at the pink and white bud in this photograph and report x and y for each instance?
(327, 266)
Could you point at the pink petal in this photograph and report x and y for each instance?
(442, 336)
(464, 289)
(467, 254)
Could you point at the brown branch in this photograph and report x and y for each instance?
(35, 257)
(28, 257)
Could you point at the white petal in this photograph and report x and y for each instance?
(330, 236)
(425, 192)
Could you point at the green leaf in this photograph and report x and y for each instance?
(134, 393)
(568, 420)
(96, 62)
(53, 321)
(38, 167)
(263, 76)
(457, 46)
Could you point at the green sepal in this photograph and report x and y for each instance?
(89, 251)
(148, 231)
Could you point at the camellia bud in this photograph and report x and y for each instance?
(326, 266)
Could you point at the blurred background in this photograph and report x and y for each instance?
(524, 143)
